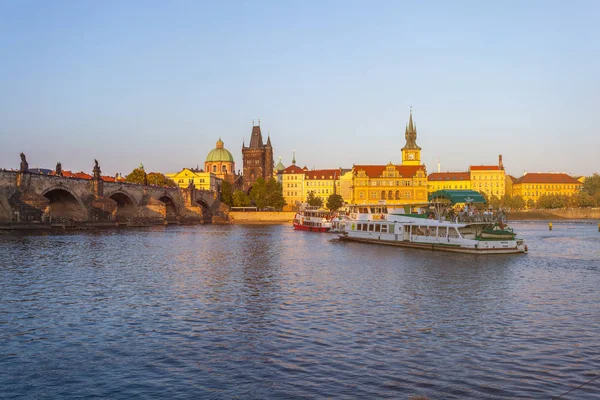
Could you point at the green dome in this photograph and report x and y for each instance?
(279, 166)
(220, 154)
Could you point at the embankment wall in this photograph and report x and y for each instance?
(261, 217)
(547, 215)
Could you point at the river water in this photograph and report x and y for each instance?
(262, 311)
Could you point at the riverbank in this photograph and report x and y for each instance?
(261, 217)
(552, 215)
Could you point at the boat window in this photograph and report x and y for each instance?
(371, 229)
(391, 228)
(365, 227)
(383, 228)
(442, 231)
(377, 228)
(419, 231)
(452, 233)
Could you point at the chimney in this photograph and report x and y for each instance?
(500, 162)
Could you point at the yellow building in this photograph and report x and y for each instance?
(292, 183)
(322, 182)
(448, 180)
(489, 179)
(200, 179)
(394, 184)
(532, 186)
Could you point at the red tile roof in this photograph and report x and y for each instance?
(512, 178)
(322, 174)
(376, 171)
(449, 176)
(485, 167)
(543, 177)
(292, 169)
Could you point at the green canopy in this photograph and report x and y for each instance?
(457, 196)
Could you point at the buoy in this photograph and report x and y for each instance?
(550, 226)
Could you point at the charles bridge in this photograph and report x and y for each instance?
(29, 200)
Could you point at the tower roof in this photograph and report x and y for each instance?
(410, 134)
(256, 141)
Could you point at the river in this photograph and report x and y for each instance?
(262, 311)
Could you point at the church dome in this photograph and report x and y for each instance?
(219, 154)
(279, 167)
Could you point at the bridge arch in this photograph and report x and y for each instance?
(64, 203)
(127, 206)
(170, 206)
(206, 214)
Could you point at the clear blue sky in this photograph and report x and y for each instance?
(159, 82)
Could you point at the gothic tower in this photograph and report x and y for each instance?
(411, 153)
(257, 158)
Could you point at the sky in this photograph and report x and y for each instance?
(159, 82)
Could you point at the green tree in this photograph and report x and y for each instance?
(494, 201)
(227, 193)
(584, 199)
(139, 176)
(518, 203)
(240, 199)
(591, 185)
(313, 200)
(258, 193)
(334, 202)
(274, 194)
(530, 203)
(136, 176)
(158, 179)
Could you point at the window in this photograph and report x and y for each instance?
(214, 168)
(407, 195)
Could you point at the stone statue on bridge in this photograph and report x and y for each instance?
(96, 170)
(59, 169)
(24, 164)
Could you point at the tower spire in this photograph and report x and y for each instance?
(294, 158)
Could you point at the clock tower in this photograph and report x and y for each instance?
(411, 153)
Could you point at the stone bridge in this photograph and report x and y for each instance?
(30, 200)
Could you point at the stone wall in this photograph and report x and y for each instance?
(547, 215)
(261, 217)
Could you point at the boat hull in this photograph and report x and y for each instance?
(300, 227)
(436, 246)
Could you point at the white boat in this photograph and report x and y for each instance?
(430, 227)
(313, 219)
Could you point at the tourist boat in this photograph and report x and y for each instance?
(313, 219)
(433, 226)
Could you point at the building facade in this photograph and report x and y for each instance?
(257, 159)
(448, 180)
(292, 183)
(393, 184)
(489, 179)
(200, 179)
(532, 186)
(322, 183)
(220, 162)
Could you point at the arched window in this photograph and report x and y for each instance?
(383, 194)
(390, 195)
(224, 169)
(397, 195)
(214, 168)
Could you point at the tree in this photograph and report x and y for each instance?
(240, 199)
(313, 200)
(274, 193)
(584, 199)
(494, 201)
(518, 203)
(334, 202)
(530, 203)
(267, 194)
(591, 185)
(227, 193)
(139, 176)
(158, 179)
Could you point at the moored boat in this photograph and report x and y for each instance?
(313, 219)
(432, 227)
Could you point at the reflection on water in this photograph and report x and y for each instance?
(266, 312)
